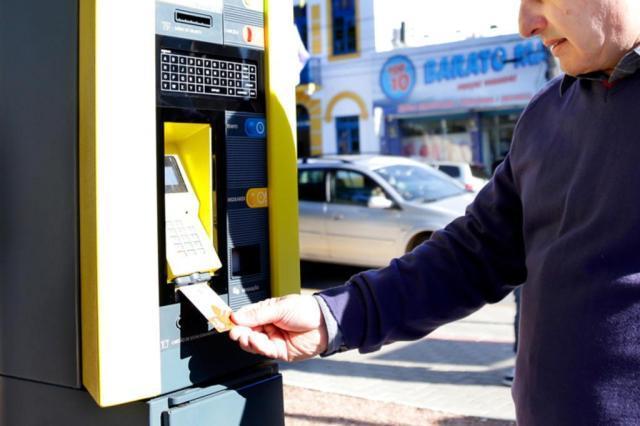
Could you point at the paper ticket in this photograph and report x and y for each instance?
(210, 305)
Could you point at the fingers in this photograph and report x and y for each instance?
(257, 342)
(265, 312)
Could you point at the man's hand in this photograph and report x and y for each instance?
(287, 328)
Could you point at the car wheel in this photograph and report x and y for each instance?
(417, 240)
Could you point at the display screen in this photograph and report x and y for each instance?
(173, 181)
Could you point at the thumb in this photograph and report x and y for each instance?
(266, 312)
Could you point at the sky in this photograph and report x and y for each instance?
(440, 21)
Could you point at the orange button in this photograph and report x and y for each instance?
(257, 198)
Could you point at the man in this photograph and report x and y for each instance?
(561, 214)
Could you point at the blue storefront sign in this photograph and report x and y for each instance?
(397, 77)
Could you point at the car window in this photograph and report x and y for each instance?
(311, 185)
(350, 187)
(419, 184)
(452, 171)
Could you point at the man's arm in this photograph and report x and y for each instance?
(476, 259)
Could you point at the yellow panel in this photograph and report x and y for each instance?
(281, 156)
(118, 199)
(192, 142)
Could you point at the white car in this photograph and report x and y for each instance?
(462, 172)
(366, 210)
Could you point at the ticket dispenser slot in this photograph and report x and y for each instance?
(189, 204)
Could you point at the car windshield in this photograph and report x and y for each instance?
(419, 184)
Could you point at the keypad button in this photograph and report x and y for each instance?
(238, 75)
(198, 80)
(182, 60)
(192, 70)
(223, 74)
(252, 77)
(252, 68)
(174, 59)
(192, 87)
(199, 71)
(183, 87)
(200, 89)
(207, 63)
(212, 90)
(215, 81)
(166, 76)
(174, 86)
(174, 77)
(232, 91)
(215, 73)
(166, 85)
(174, 68)
(253, 93)
(183, 78)
(191, 61)
(191, 79)
(223, 65)
(249, 85)
(165, 58)
(183, 69)
(215, 64)
(198, 62)
(207, 71)
(238, 84)
(242, 92)
(238, 67)
(223, 81)
(207, 80)
(245, 68)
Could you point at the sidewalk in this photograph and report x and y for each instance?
(457, 370)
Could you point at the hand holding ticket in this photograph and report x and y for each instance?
(210, 305)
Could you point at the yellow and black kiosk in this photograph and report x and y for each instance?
(146, 150)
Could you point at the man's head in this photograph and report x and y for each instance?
(585, 35)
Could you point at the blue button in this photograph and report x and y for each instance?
(255, 127)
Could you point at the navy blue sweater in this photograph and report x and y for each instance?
(562, 216)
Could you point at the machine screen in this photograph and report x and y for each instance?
(173, 181)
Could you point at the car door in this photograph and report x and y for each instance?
(312, 207)
(358, 232)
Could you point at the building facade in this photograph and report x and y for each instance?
(457, 101)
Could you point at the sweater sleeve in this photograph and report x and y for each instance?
(477, 259)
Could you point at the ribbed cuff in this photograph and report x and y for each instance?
(334, 336)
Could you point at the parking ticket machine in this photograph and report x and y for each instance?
(149, 175)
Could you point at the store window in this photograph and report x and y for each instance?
(438, 138)
(343, 17)
(348, 134)
(300, 18)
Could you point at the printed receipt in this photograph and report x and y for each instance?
(207, 301)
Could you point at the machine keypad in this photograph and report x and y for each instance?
(237, 79)
(184, 238)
